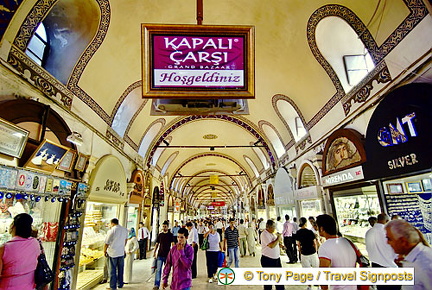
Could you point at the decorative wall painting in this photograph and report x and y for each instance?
(47, 156)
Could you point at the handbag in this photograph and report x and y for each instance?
(43, 272)
(204, 245)
(361, 260)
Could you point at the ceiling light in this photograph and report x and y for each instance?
(165, 142)
(75, 138)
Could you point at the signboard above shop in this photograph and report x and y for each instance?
(399, 134)
(198, 61)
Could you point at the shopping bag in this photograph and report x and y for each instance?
(154, 265)
(221, 258)
(204, 245)
(224, 264)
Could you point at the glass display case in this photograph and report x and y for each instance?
(353, 210)
(92, 262)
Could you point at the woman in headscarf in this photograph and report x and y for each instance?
(130, 248)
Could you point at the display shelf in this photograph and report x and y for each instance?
(89, 278)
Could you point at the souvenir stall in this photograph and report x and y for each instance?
(399, 138)
(107, 199)
(309, 192)
(35, 178)
(284, 194)
(353, 200)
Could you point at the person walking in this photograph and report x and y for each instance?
(143, 235)
(308, 246)
(251, 238)
(19, 256)
(180, 258)
(406, 241)
(380, 253)
(193, 241)
(336, 251)
(212, 252)
(114, 249)
(202, 229)
(175, 230)
(130, 248)
(289, 241)
(242, 230)
(270, 245)
(231, 243)
(164, 241)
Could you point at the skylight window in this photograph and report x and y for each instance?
(38, 45)
(357, 67)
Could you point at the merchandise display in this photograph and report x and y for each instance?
(353, 212)
(92, 259)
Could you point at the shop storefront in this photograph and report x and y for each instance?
(261, 205)
(284, 194)
(309, 194)
(353, 200)
(106, 200)
(40, 175)
(136, 197)
(398, 147)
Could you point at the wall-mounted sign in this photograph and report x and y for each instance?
(344, 149)
(198, 61)
(346, 176)
(399, 134)
(218, 203)
(108, 181)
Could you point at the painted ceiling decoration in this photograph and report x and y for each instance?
(298, 85)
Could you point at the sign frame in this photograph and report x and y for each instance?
(17, 138)
(151, 91)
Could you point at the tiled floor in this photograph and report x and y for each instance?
(144, 280)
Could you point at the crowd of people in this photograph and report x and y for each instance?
(314, 242)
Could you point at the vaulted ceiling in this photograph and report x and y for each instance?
(95, 73)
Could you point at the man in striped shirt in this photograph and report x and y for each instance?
(232, 242)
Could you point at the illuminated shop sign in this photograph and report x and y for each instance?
(399, 135)
(191, 61)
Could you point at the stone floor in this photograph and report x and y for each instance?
(144, 280)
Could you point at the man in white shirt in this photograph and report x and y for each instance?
(242, 230)
(379, 251)
(406, 241)
(114, 249)
(143, 235)
(193, 241)
(335, 252)
(270, 250)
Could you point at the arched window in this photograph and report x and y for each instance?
(252, 166)
(38, 46)
(292, 118)
(66, 36)
(276, 142)
(150, 136)
(343, 50)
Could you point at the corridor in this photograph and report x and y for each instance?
(144, 280)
